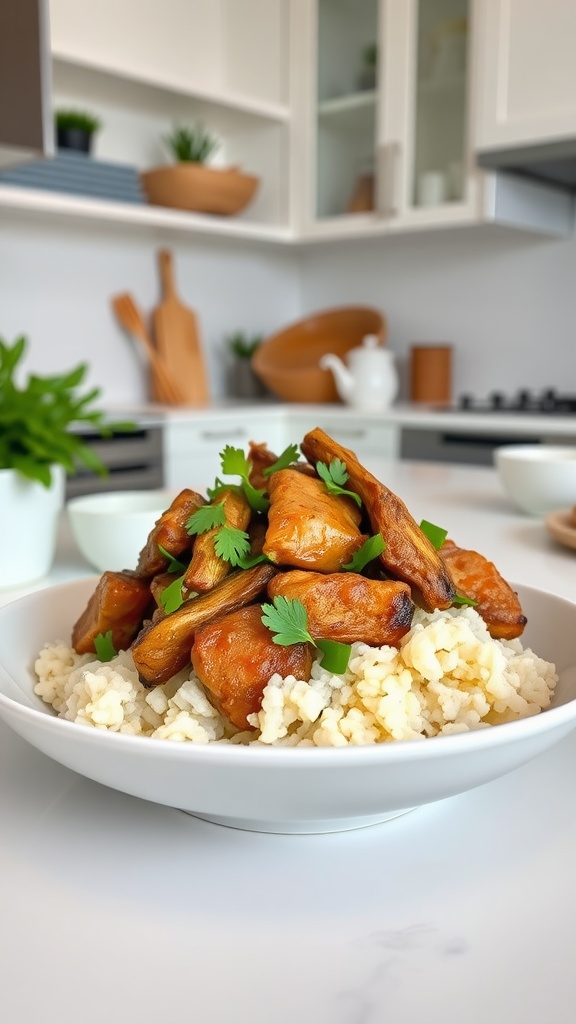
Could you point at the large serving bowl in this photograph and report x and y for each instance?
(291, 790)
(288, 362)
(539, 478)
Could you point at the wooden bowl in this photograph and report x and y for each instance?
(192, 186)
(288, 362)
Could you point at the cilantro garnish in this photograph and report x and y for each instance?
(462, 599)
(234, 463)
(287, 619)
(174, 564)
(231, 544)
(335, 476)
(206, 518)
(370, 550)
(287, 458)
(171, 597)
(436, 535)
(104, 647)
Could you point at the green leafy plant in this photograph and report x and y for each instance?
(36, 419)
(370, 56)
(191, 144)
(287, 620)
(78, 119)
(243, 345)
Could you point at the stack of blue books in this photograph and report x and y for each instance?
(80, 175)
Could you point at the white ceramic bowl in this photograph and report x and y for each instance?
(290, 790)
(539, 478)
(111, 528)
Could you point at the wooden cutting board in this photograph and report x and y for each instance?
(177, 337)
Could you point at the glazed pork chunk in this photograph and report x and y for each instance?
(408, 554)
(169, 532)
(307, 527)
(236, 656)
(477, 578)
(162, 648)
(118, 603)
(206, 569)
(348, 607)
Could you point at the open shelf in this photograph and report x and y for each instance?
(50, 204)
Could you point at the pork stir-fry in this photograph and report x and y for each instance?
(300, 557)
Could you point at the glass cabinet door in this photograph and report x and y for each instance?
(346, 120)
(439, 143)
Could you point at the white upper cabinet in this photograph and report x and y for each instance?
(227, 48)
(386, 101)
(527, 72)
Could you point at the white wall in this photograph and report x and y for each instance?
(57, 278)
(506, 301)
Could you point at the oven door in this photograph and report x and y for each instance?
(134, 460)
(469, 448)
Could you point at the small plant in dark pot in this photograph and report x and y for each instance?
(242, 381)
(75, 130)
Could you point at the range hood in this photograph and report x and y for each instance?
(550, 163)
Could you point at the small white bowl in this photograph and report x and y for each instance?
(112, 528)
(539, 478)
(279, 789)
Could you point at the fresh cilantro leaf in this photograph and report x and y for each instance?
(436, 535)
(234, 462)
(462, 599)
(336, 656)
(171, 597)
(334, 476)
(287, 618)
(206, 518)
(370, 550)
(255, 497)
(174, 564)
(219, 486)
(105, 649)
(231, 544)
(287, 458)
(247, 561)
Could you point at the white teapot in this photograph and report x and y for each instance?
(368, 379)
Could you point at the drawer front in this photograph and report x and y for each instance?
(362, 436)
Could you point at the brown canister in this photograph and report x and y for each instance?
(431, 374)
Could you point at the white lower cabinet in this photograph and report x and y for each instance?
(192, 445)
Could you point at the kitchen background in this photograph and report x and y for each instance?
(504, 296)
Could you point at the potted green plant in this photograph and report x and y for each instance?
(190, 183)
(369, 67)
(242, 381)
(38, 446)
(75, 129)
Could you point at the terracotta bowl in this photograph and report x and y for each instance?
(191, 186)
(288, 361)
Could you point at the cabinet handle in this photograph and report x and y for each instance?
(352, 434)
(382, 160)
(222, 435)
(388, 159)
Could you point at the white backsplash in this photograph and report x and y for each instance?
(506, 301)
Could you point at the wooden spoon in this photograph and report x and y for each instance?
(166, 389)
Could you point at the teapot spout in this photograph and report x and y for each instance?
(342, 376)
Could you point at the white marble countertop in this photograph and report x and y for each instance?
(463, 911)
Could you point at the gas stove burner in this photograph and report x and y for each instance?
(547, 401)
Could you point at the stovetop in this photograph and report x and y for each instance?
(523, 401)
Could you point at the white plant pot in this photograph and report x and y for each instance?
(29, 516)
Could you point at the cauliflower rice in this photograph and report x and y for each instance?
(447, 676)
